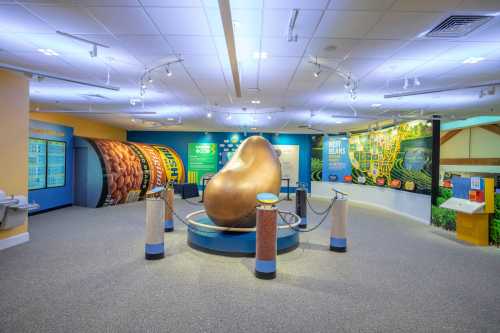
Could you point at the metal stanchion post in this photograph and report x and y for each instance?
(301, 206)
(169, 207)
(338, 236)
(155, 217)
(266, 233)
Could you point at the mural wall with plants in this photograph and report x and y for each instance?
(316, 157)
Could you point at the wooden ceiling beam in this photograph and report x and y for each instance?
(227, 23)
(448, 135)
(493, 128)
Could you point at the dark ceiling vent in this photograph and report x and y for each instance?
(458, 26)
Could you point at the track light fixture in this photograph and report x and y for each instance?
(416, 82)
(168, 71)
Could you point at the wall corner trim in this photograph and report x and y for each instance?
(14, 240)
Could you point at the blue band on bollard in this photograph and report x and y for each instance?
(303, 221)
(338, 244)
(169, 224)
(155, 248)
(265, 266)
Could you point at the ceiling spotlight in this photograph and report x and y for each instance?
(93, 52)
(405, 86)
(416, 81)
(229, 116)
(473, 60)
(150, 80)
(168, 71)
(260, 55)
(269, 117)
(209, 114)
(134, 101)
(317, 73)
(255, 101)
(143, 86)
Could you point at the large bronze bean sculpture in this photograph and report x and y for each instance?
(230, 196)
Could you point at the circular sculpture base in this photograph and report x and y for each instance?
(234, 244)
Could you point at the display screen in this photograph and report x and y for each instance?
(37, 165)
(56, 163)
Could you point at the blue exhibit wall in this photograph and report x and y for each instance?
(179, 142)
(49, 198)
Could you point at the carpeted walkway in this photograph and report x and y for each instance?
(84, 271)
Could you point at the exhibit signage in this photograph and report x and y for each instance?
(56, 163)
(337, 162)
(317, 157)
(37, 164)
(289, 159)
(202, 160)
(398, 157)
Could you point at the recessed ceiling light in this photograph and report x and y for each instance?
(255, 101)
(260, 55)
(376, 105)
(48, 52)
(473, 60)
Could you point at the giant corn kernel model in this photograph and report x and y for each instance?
(110, 172)
(230, 196)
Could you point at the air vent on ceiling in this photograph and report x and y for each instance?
(458, 26)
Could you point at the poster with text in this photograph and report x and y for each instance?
(317, 157)
(37, 164)
(289, 158)
(336, 159)
(202, 160)
(56, 163)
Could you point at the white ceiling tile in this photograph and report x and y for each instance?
(249, 22)
(487, 33)
(58, 43)
(464, 50)
(180, 21)
(435, 68)
(347, 24)
(376, 48)
(276, 22)
(69, 19)
(330, 47)
(425, 5)
(300, 4)
(103, 2)
(423, 49)
(192, 44)
(404, 25)
(15, 43)
(124, 20)
(145, 45)
(377, 5)
(14, 18)
(172, 3)
(280, 47)
(493, 5)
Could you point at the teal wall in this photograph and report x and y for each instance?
(180, 140)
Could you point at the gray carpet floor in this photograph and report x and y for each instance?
(84, 271)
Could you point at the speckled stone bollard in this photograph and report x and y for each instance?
(155, 217)
(169, 206)
(265, 248)
(338, 236)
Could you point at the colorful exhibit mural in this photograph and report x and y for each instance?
(125, 171)
(398, 157)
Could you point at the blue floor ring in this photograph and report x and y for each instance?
(236, 244)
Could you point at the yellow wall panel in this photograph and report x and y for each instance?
(457, 146)
(484, 144)
(14, 130)
(82, 126)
